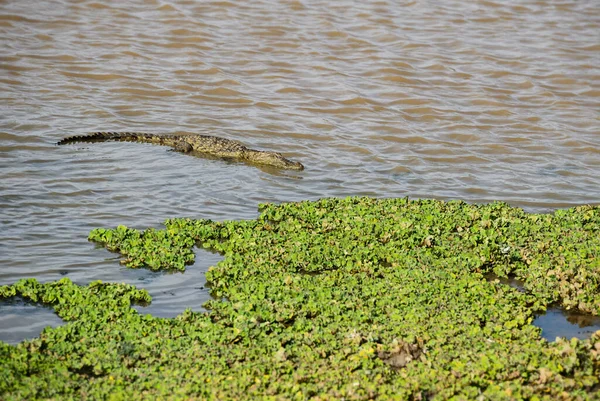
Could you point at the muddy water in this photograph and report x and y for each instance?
(451, 100)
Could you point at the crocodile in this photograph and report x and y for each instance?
(196, 144)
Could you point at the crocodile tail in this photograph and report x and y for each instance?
(106, 136)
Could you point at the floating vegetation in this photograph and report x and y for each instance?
(556, 321)
(354, 298)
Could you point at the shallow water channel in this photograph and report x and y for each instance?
(172, 293)
(479, 101)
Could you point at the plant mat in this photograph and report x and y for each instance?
(354, 299)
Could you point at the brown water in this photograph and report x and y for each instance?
(476, 100)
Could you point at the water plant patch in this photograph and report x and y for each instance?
(355, 298)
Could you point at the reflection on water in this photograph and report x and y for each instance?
(556, 321)
(174, 292)
(511, 281)
(478, 101)
(21, 319)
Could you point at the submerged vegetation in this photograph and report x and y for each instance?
(354, 298)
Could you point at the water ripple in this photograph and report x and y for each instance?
(478, 101)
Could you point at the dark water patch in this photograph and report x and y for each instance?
(511, 281)
(559, 322)
(22, 319)
(174, 292)
(556, 321)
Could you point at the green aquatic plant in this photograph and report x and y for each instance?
(154, 249)
(355, 298)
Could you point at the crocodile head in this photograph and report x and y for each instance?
(273, 159)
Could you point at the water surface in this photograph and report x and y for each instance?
(478, 101)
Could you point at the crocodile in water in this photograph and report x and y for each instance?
(201, 144)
